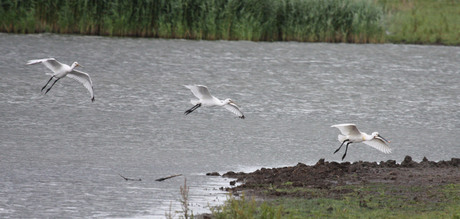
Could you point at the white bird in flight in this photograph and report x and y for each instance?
(206, 99)
(62, 70)
(351, 134)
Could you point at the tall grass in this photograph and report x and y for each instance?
(357, 21)
(423, 21)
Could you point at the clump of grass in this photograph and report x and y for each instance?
(169, 214)
(184, 191)
(184, 201)
(243, 208)
(257, 20)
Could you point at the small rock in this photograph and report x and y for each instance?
(388, 163)
(407, 162)
(230, 174)
(407, 159)
(213, 174)
(320, 162)
(455, 162)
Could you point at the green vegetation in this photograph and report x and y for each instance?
(242, 208)
(355, 21)
(422, 21)
(371, 201)
(267, 20)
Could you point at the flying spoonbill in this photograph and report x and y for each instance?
(351, 134)
(62, 70)
(206, 99)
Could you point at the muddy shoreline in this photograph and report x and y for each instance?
(331, 177)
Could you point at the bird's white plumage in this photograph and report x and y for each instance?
(50, 63)
(351, 134)
(347, 129)
(206, 99)
(62, 70)
(83, 78)
(379, 144)
(234, 109)
(200, 91)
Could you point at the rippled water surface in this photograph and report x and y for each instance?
(61, 154)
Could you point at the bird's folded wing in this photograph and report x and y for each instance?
(348, 129)
(379, 144)
(199, 91)
(50, 63)
(234, 109)
(83, 78)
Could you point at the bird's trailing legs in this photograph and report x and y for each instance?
(47, 83)
(52, 85)
(192, 109)
(346, 149)
(341, 145)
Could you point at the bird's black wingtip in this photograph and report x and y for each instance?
(93, 99)
(242, 117)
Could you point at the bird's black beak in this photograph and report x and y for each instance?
(234, 103)
(383, 139)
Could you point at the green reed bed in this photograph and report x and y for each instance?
(357, 21)
(423, 21)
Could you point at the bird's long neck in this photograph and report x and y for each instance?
(73, 66)
(366, 137)
(222, 102)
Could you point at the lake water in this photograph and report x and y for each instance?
(61, 154)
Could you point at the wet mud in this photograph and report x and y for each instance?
(333, 177)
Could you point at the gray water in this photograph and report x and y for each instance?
(61, 154)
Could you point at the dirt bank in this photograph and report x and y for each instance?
(328, 176)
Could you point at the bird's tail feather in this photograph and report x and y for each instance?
(341, 138)
(194, 101)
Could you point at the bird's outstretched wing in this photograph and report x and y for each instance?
(347, 129)
(84, 79)
(50, 63)
(200, 91)
(379, 144)
(234, 109)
